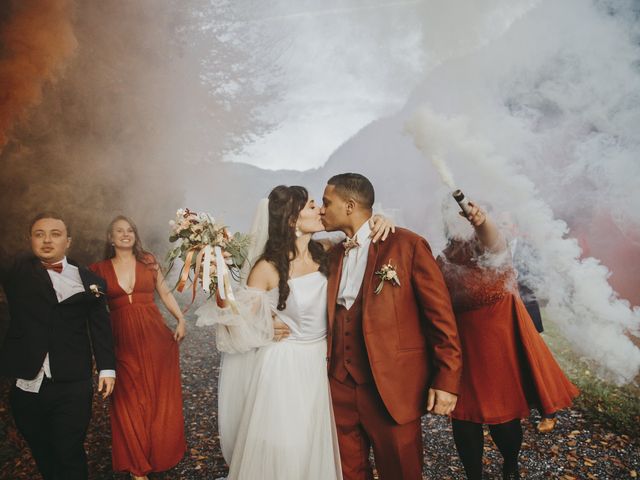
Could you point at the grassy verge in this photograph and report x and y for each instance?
(601, 402)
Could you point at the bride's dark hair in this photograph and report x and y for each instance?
(285, 204)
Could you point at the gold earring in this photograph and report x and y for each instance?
(298, 232)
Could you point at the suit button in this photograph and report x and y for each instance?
(348, 360)
(347, 333)
(347, 347)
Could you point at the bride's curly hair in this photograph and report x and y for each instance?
(285, 204)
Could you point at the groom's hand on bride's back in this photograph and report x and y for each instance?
(380, 227)
(280, 329)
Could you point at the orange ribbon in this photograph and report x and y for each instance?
(196, 276)
(184, 276)
(186, 268)
(198, 252)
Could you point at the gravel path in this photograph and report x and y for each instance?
(575, 450)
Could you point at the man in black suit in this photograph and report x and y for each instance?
(58, 315)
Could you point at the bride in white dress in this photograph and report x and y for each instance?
(274, 408)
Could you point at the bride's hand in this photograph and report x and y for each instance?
(380, 227)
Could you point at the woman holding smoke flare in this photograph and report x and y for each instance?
(507, 368)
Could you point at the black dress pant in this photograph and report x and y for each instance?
(54, 423)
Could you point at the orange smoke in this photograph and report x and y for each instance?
(37, 38)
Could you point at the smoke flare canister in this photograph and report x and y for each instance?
(462, 201)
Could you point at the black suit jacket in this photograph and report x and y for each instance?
(39, 324)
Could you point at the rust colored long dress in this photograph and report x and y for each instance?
(506, 367)
(147, 423)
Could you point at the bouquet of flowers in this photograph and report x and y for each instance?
(207, 250)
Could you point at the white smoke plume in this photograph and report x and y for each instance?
(580, 299)
(539, 121)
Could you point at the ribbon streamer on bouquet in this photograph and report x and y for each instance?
(184, 273)
(206, 269)
(201, 258)
(224, 280)
(199, 254)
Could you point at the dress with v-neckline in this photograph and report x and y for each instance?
(135, 280)
(147, 423)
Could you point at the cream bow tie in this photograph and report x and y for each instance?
(350, 243)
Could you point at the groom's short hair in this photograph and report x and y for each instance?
(356, 186)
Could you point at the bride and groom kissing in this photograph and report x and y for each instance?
(371, 344)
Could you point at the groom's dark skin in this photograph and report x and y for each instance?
(348, 215)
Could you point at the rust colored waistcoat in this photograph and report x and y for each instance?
(349, 352)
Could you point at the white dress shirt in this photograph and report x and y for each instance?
(66, 284)
(354, 265)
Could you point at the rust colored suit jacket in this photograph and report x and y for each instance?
(409, 330)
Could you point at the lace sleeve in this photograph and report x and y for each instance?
(252, 327)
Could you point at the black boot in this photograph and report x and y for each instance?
(510, 473)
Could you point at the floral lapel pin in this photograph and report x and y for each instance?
(387, 273)
(95, 289)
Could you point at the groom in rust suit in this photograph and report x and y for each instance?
(394, 352)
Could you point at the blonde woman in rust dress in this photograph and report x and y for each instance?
(507, 368)
(147, 423)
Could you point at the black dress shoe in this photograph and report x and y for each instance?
(510, 474)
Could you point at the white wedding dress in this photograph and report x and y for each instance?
(274, 408)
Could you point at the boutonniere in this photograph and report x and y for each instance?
(387, 273)
(95, 289)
